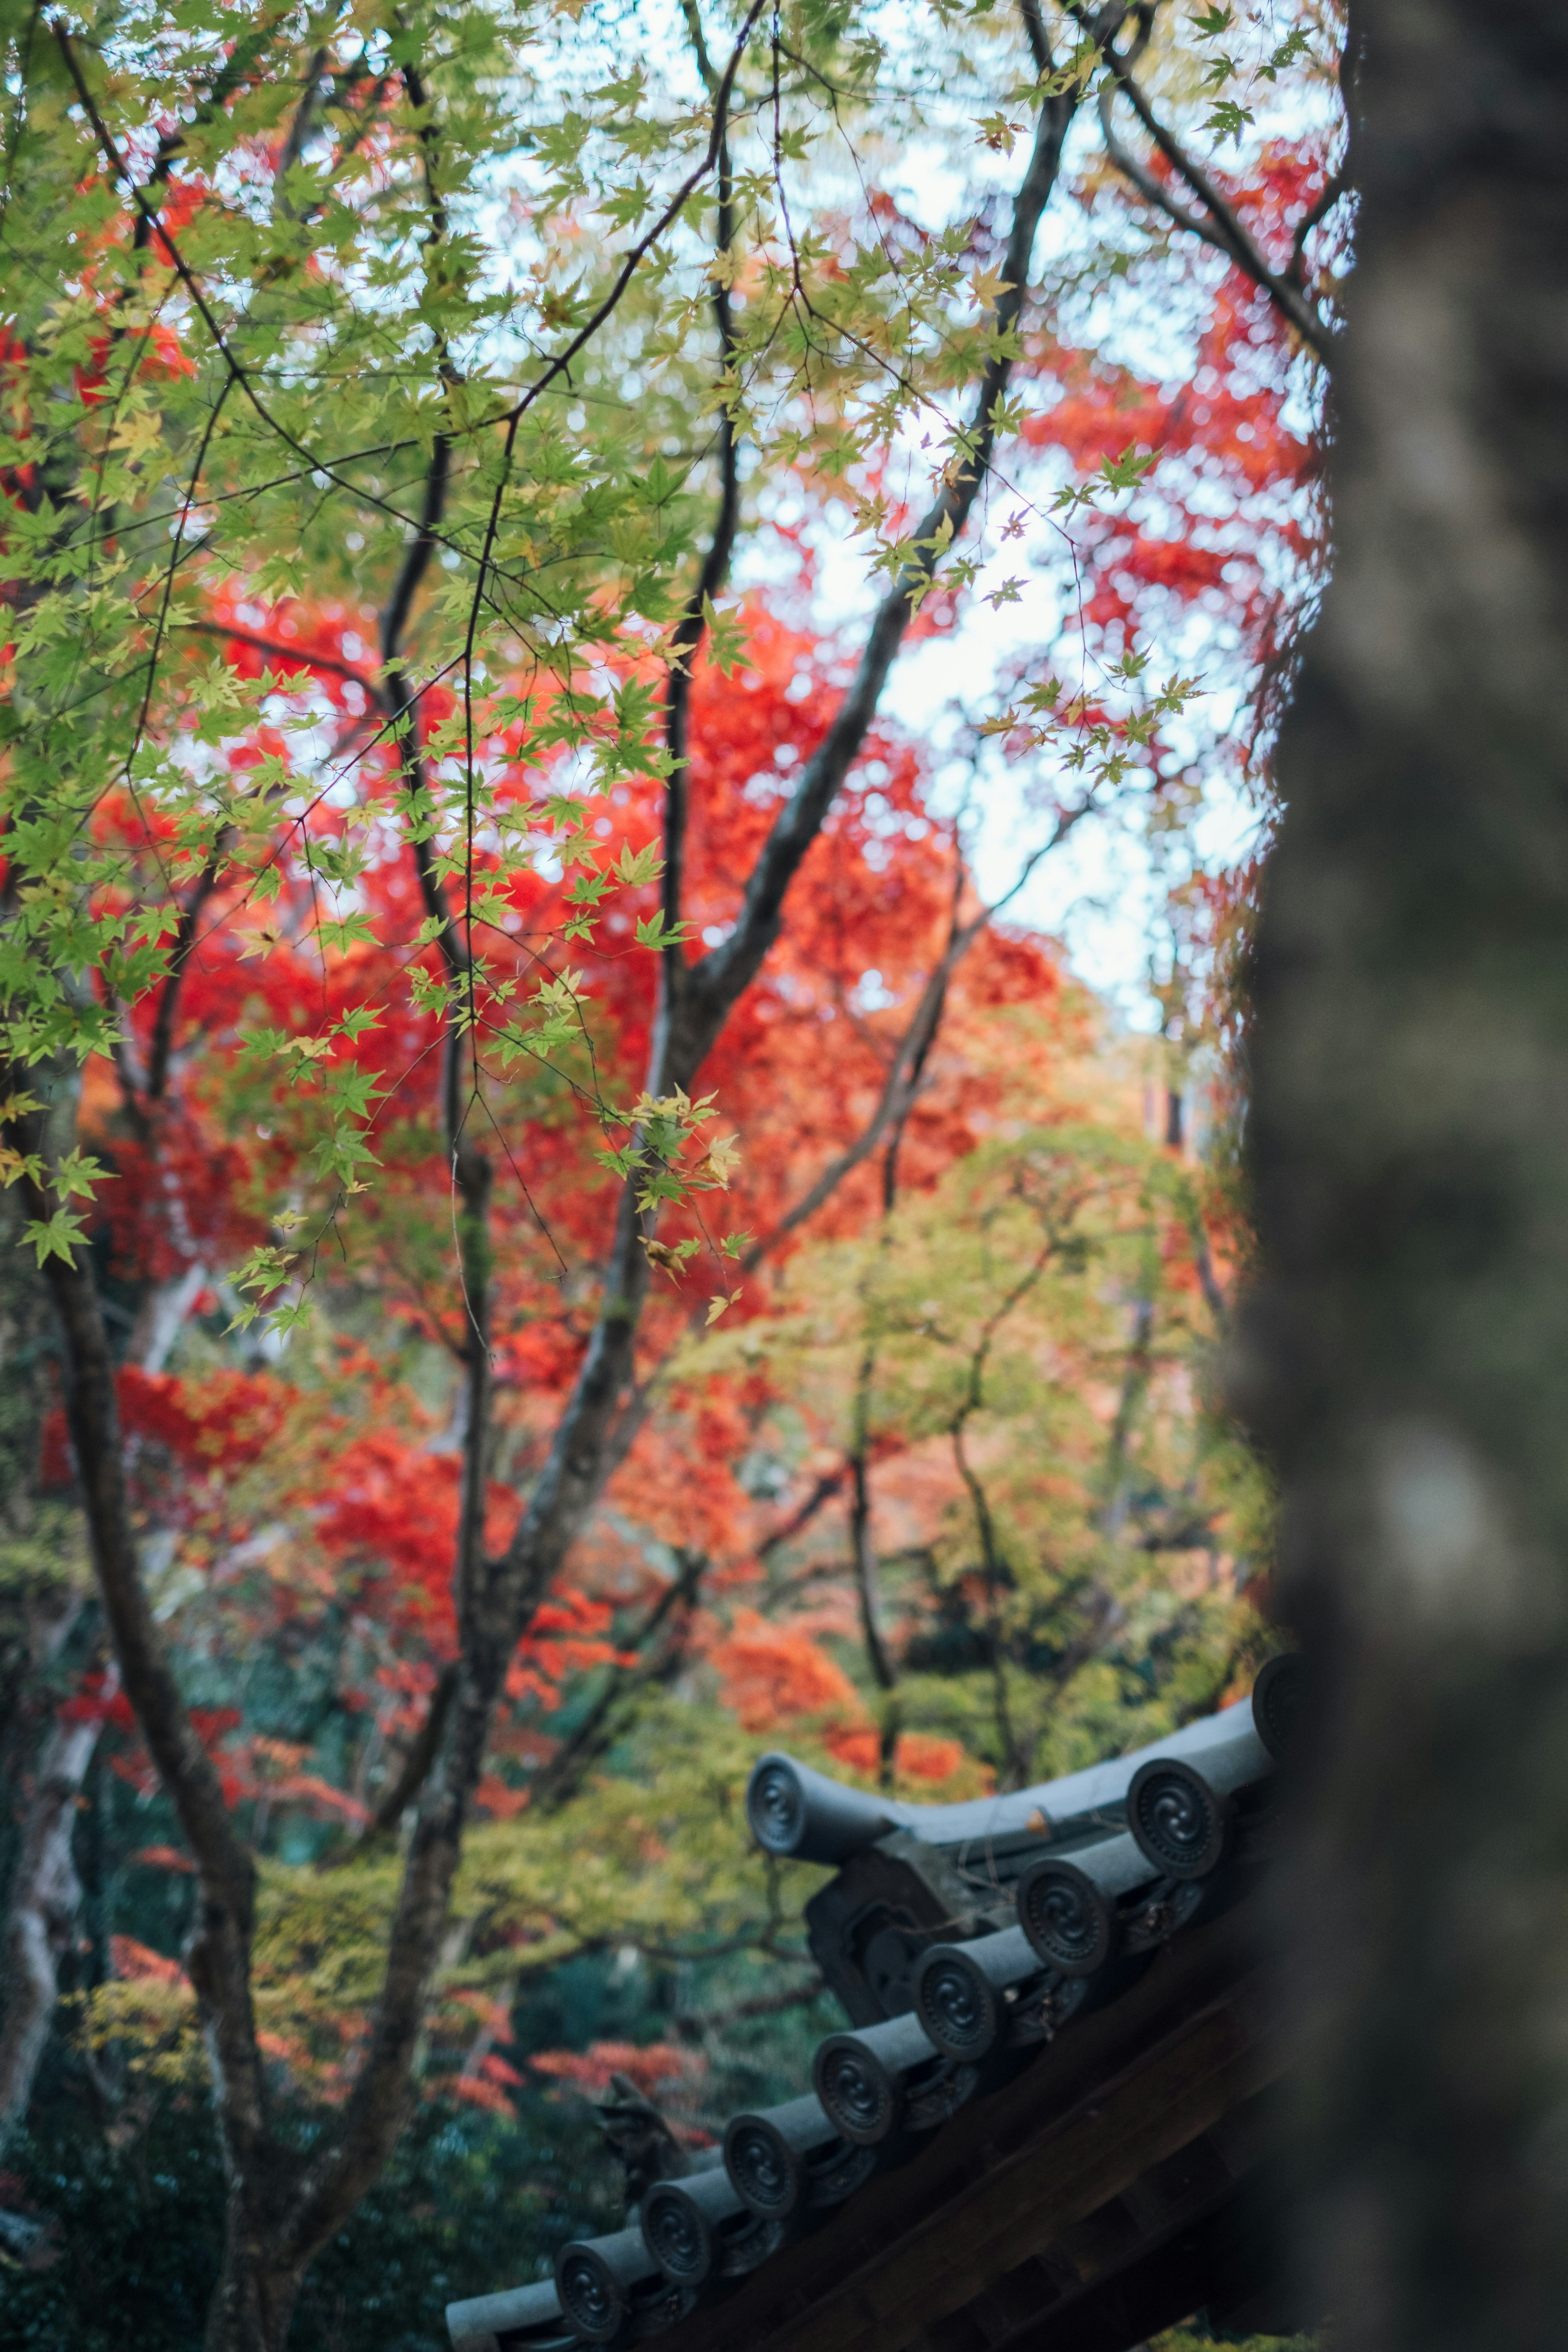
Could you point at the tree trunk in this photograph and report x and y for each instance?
(253, 2303)
(43, 1590)
(1407, 1356)
(44, 1899)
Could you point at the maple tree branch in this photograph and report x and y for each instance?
(402, 701)
(297, 656)
(830, 1484)
(305, 118)
(471, 1172)
(896, 1099)
(864, 1557)
(1147, 185)
(559, 365)
(1038, 37)
(692, 625)
(716, 982)
(558, 1780)
(899, 1091)
(218, 1957)
(44, 1901)
(161, 1045)
(992, 1567)
(1332, 189)
(1184, 1535)
(234, 70)
(1229, 232)
(412, 1775)
(1134, 1381)
(444, 1767)
(646, 242)
(905, 1071)
(238, 374)
(572, 1479)
(1209, 1282)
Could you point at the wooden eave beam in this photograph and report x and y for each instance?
(1075, 2169)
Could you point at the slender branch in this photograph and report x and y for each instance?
(161, 1047)
(236, 70)
(992, 1567)
(572, 1476)
(239, 373)
(560, 1778)
(1143, 180)
(219, 1953)
(1332, 189)
(717, 979)
(1134, 1381)
(666, 219)
(446, 1764)
(472, 1176)
(1037, 37)
(412, 1773)
(1229, 232)
(305, 116)
(900, 1089)
(692, 625)
(905, 1071)
(1209, 1282)
(297, 656)
(992, 1571)
(830, 1484)
(1185, 1535)
(862, 1539)
(401, 699)
(513, 417)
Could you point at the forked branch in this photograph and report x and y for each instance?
(1220, 224)
(572, 1476)
(716, 982)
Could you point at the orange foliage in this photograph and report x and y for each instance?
(322, 1489)
(917, 1754)
(589, 2071)
(772, 1673)
(163, 1857)
(138, 1963)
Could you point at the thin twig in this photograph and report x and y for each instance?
(1229, 232)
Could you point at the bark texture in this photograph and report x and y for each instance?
(43, 1591)
(1406, 1357)
(45, 1903)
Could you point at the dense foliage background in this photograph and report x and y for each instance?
(388, 559)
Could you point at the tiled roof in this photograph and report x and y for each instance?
(960, 1951)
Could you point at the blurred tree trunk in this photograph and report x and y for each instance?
(41, 1924)
(44, 1577)
(1407, 1358)
(43, 1591)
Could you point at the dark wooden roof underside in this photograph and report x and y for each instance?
(1120, 2182)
